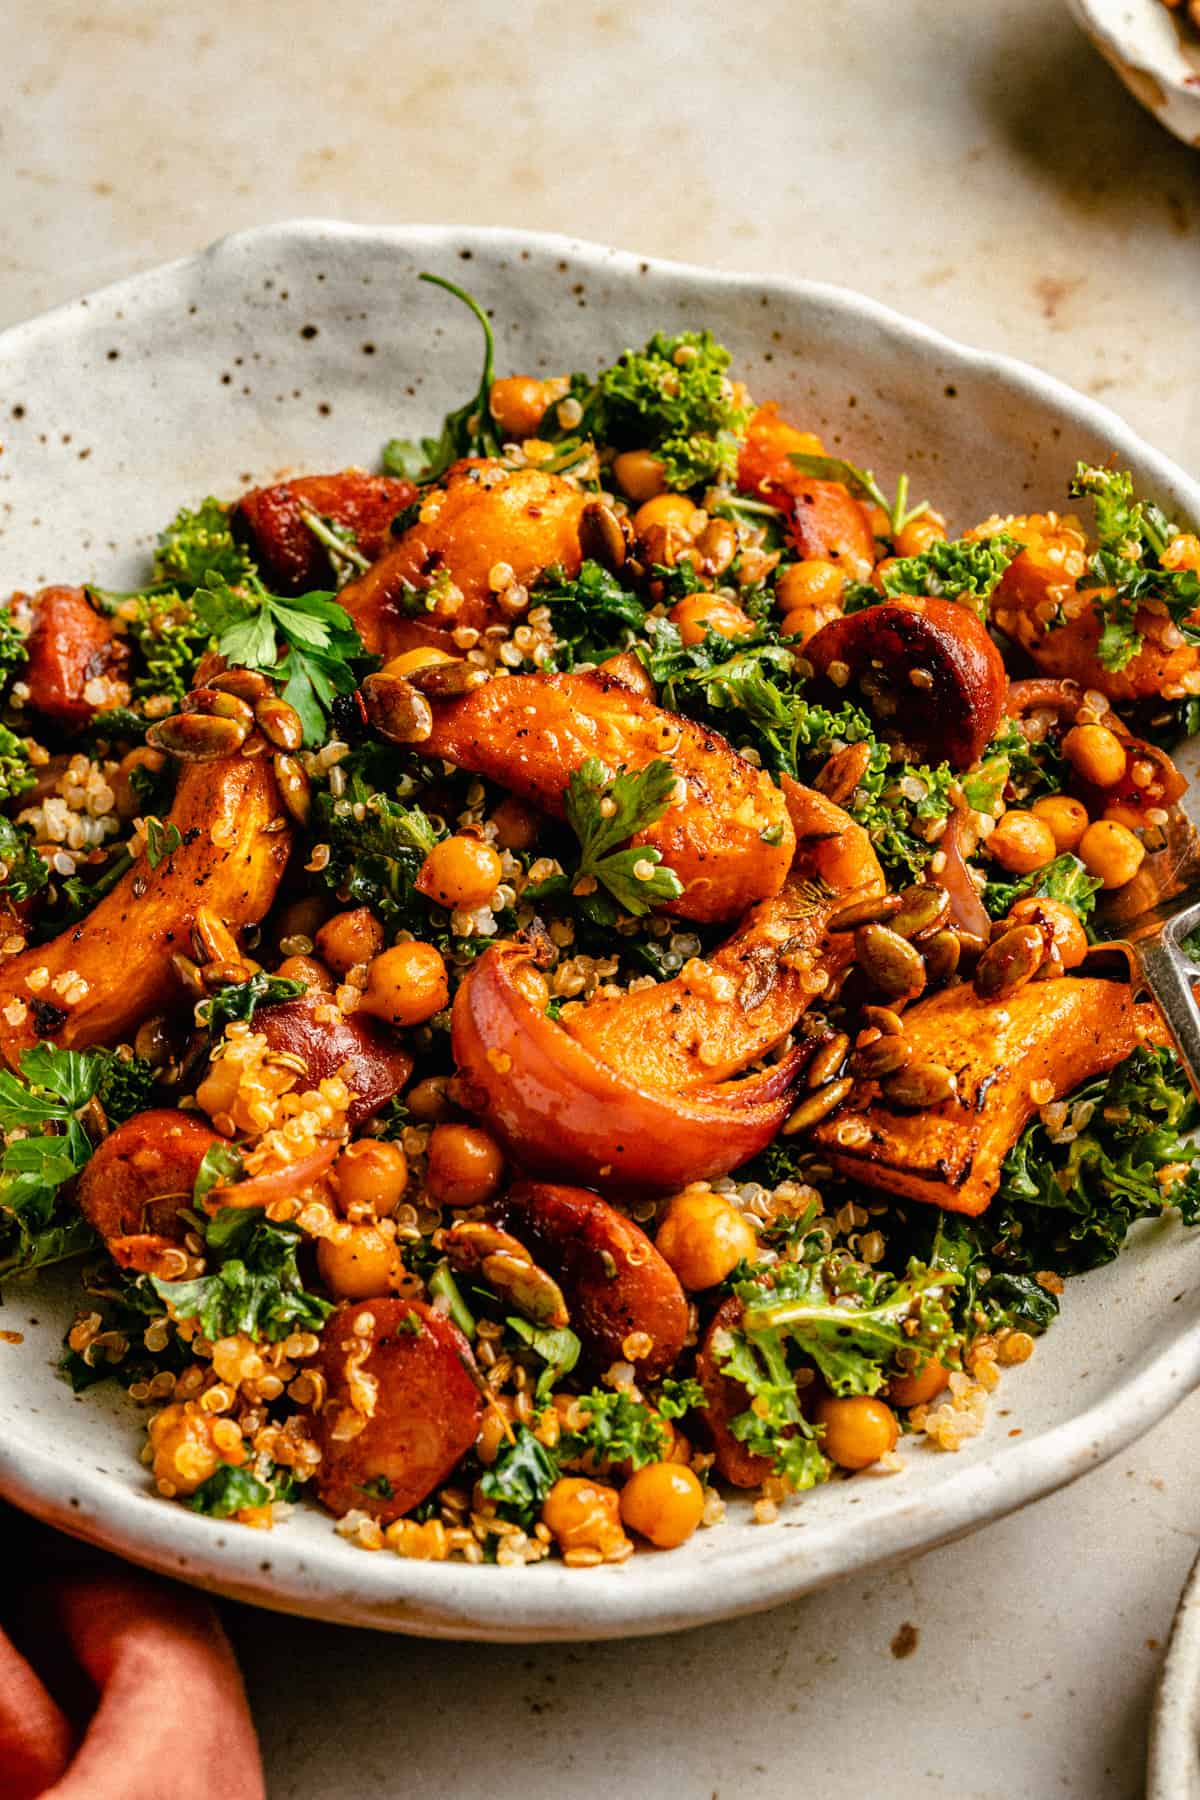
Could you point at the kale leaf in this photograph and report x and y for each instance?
(673, 398)
(230, 1489)
(613, 1428)
(253, 1284)
(25, 873)
(593, 615)
(241, 999)
(520, 1478)
(962, 569)
(1064, 879)
(1127, 564)
(197, 544)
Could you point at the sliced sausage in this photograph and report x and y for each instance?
(616, 1283)
(69, 646)
(291, 559)
(143, 1173)
(726, 1399)
(361, 1051)
(426, 1414)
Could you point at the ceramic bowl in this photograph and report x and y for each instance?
(1173, 1772)
(1156, 54)
(305, 346)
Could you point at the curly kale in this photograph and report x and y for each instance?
(253, 1283)
(169, 640)
(16, 770)
(42, 1112)
(1014, 768)
(963, 569)
(520, 1478)
(1064, 879)
(377, 846)
(1127, 564)
(230, 1490)
(592, 614)
(674, 398)
(199, 543)
(126, 1086)
(896, 803)
(13, 649)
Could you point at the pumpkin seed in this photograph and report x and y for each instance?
(882, 1018)
(473, 1246)
(448, 680)
(838, 778)
(279, 723)
(197, 737)
(889, 961)
(884, 1057)
(817, 1106)
(865, 912)
(600, 536)
(924, 907)
(247, 684)
(188, 974)
(215, 703)
(1010, 962)
(827, 1061)
(212, 938)
(396, 710)
(226, 973)
(941, 952)
(294, 789)
(920, 1085)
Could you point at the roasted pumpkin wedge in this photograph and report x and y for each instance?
(97, 981)
(1007, 1057)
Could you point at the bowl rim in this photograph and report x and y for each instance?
(652, 1594)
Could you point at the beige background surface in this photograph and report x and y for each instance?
(973, 164)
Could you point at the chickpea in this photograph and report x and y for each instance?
(639, 475)
(496, 1429)
(804, 622)
(361, 1266)
(428, 1102)
(423, 656)
(665, 509)
(460, 871)
(1021, 842)
(517, 825)
(372, 1174)
(704, 1237)
(301, 918)
(518, 404)
(1125, 812)
(313, 974)
(663, 1502)
(915, 537)
(709, 612)
(920, 1388)
(406, 985)
(813, 582)
(584, 1515)
(1067, 819)
(350, 938)
(127, 802)
(464, 1167)
(1111, 851)
(1057, 922)
(1096, 754)
(858, 1431)
(184, 1453)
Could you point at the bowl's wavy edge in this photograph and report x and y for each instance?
(1173, 1762)
(552, 1603)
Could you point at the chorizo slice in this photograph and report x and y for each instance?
(289, 556)
(364, 1053)
(401, 1405)
(143, 1173)
(617, 1284)
(70, 646)
(725, 1400)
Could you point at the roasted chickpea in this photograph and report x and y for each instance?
(858, 1431)
(1111, 851)
(1096, 754)
(496, 1429)
(464, 1166)
(915, 537)
(1057, 921)
(350, 938)
(372, 1175)
(804, 622)
(1067, 819)
(313, 974)
(517, 825)
(181, 1437)
(920, 1388)
(704, 1237)
(585, 1515)
(424, 656)
(813, 582)
(1021, 842)
(406, 985)
(362, 1265)
(427, 1100)
(640, 475)
(127, 802)
(518, 404)
(665, 509)
(461, 871)
(663, 1502)
(700, 613)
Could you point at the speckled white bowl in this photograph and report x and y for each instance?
(1173, 1771)
(1154, 52)
(305, 346)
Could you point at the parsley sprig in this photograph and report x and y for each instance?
(1127, 562)
(318, 636)
(605, 813)
(863, 485)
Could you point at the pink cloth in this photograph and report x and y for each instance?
(125, 1688)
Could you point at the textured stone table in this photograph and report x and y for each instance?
(976, 166)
